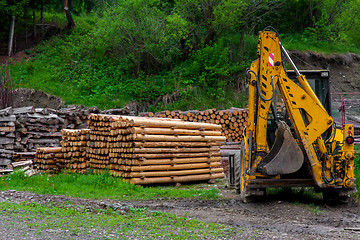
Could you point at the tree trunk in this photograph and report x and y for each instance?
(42, 16)
(11, 35)
(34, 22)
(71, 22)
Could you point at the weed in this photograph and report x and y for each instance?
(314, 209)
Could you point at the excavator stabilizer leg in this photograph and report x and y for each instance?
(285, 156)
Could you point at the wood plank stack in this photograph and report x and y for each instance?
(7, 128)
(49, 159)
(75, 117)
(73, 145)
(37, 128)
(152, 151)
(232, 121)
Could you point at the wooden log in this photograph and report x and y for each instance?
(44, 141)
(9, 118)
(22, 164)
(6, 171)
(49, 116)
(174, 155)
(171, 167)
(173, 144)
(175, 123)
(7, 129)
(49, 150)
(165, 138)
(145, 162)
(171, 131)
(45, 134)
(5, 140)
(173, 150)
(173, 173)
(24, 110)
(6, 111)
(175, 179)
(5, 161)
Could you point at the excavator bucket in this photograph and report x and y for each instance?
(285, 156)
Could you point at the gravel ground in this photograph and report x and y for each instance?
(274, 217)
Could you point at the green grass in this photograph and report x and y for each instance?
(98, 187)
(68, 222)
(357, 168)
(310, 207)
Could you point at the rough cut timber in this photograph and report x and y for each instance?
(232, 121)
(49, 159)
(73, 145)
(148, 150)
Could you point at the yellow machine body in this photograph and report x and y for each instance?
(300, 154)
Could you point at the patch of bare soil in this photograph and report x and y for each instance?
(18, 57)
(274, 217)
(29, 97)
(344, 68)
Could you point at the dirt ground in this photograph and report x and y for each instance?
(344, 68)
(276, 216)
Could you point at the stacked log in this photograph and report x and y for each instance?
(7, 138)
(75, 117)
(7, 128)
(232, 121)
(98, 144)
(73, 145)
(23, 156)
(37, 128)
(152, 151)
(49, 159)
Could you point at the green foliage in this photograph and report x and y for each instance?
(209, 66)
(301, 42)
(97, 186)
(357, 157)
(357, 168)
(338, 21)
(174, 54)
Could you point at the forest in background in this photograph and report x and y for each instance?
(185, 54)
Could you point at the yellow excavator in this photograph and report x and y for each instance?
(290, 139)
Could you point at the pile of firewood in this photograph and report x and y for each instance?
(232, 120)
(23, 156)
(149, 151)
(37, 128)
(27, 128)
(7, 128)
(49, 159)
(7, 138)
(73, 145)
(75, 117)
